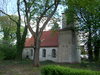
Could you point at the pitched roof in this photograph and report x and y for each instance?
(48, 39)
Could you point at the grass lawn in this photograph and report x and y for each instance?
(25, 67)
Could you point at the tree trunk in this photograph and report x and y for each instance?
(18, 46)
(96, 50)
(20, 41)
(89, 46)
(19, 52)
(36, 53)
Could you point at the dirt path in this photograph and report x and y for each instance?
(18, 70)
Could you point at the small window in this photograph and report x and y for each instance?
(44, 53)
(31, 52)
(53, 53)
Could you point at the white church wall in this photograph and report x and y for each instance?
(27, 52)
(48, 54)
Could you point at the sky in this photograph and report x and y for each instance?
(8, 5)
(12, 6)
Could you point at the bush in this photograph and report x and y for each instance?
(7, 52)
(58, 70)
(47, 62)
(1, 55)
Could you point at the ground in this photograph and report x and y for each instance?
(18, 68)
(25, 67)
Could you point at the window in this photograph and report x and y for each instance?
(53, 53)
(31, 52)
(44, 53)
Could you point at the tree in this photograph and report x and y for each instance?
(21, 36)
(41, 9)
(55, 27)
(8, 29)
(87, 13)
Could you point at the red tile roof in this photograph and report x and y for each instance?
(48, 39)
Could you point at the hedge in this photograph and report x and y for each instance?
(59, 70)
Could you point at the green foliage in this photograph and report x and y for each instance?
(89, 5)
(1, 55)
(8, 27)
(58, 70)
(47, 62)
(87, 13)
(37, 8)
(7, 52)
(11, 30)
(77, 7)
(55, 27)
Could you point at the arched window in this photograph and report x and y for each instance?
(54, 53)
(44, 53)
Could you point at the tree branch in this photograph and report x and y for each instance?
(44, 12)
(49, 17)
(42, 15)
(82, 16)
(27, 19)
(9, 17)
(18, 9)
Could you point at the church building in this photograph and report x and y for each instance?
(60, 46)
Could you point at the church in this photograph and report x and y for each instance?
(59, 46)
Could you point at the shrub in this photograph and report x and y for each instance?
(1, 55)
(58, 70)
(7, 52)
(47, 62)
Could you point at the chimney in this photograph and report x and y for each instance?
(64, 22)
